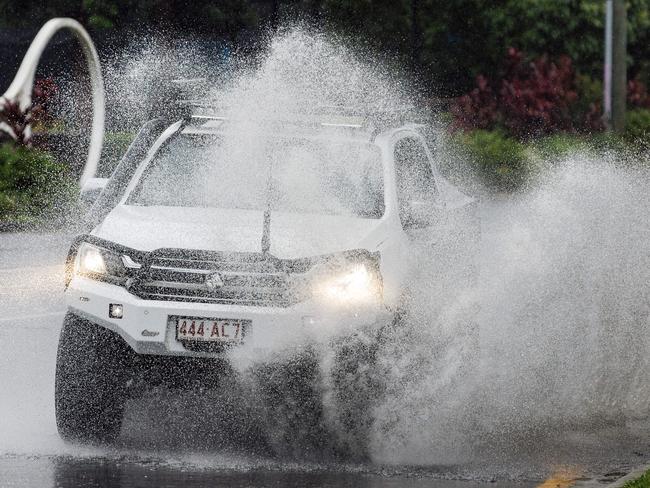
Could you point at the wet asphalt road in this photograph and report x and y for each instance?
(32, 455)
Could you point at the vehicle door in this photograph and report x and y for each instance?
(438, 220)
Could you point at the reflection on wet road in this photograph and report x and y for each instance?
(68, 472)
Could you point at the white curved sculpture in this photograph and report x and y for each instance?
(20, 90)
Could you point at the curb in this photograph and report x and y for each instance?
(7, 227)
(631, 476)
(13, 227)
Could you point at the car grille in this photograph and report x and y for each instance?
(238, 279)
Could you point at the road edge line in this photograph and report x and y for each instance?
(631, 476)
(33, 316)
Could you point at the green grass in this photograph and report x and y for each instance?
(34, 187)
(642, 482)
(115, 145)
(504, 164)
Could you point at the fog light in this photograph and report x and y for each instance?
(308, 320)
(115, 311)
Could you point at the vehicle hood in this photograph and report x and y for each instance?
(233, 230)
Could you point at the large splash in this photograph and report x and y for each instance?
(552, 332)
(562, 308)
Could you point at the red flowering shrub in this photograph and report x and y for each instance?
(16, 119)
(535, 97)
(637, 94)
(593, 119)
(530, 98)
(478, 109)
(45, 89)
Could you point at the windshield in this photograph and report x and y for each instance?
(302, 175)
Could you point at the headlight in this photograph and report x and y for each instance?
(90, 260)
(356, 285)
(97, 262)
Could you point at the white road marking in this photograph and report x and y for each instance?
(33, 316)
(40, 269)
(18, 280)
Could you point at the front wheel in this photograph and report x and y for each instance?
(291, 410)
(352, 389)
(92, 369)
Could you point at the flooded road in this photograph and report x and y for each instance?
(148, 455)
(131, 473)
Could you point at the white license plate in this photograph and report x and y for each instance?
(211, 330)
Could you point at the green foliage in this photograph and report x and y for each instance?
(642, 482)
(638, 33)
(99, 22)
(451, 42)
(218, 17)
(590, 91)
(115, 145)
(384, 24)
(500, 161)
(637, 130)
(558, 146)
(611, 143)
(100, 13)
(463, 38)
(32, 185)
(572, 28)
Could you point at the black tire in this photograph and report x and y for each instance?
(92, 370)
(291, 413)
(354, 388)
(316, 404)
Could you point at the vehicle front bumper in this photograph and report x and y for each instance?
(148, 328)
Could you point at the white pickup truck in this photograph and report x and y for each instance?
(220, 246)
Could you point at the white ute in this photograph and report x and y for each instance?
(217, 248)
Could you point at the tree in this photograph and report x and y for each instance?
(455, 39)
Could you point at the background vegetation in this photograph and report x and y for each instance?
(642, 482)
(448, 43)
(519, 80)
(34, 188)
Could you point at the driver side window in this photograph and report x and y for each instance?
(415, 181)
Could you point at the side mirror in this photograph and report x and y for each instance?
(420, 214)
(91, 190)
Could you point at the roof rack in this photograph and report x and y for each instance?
(194, 103)
(351, 124)
(323, 116)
